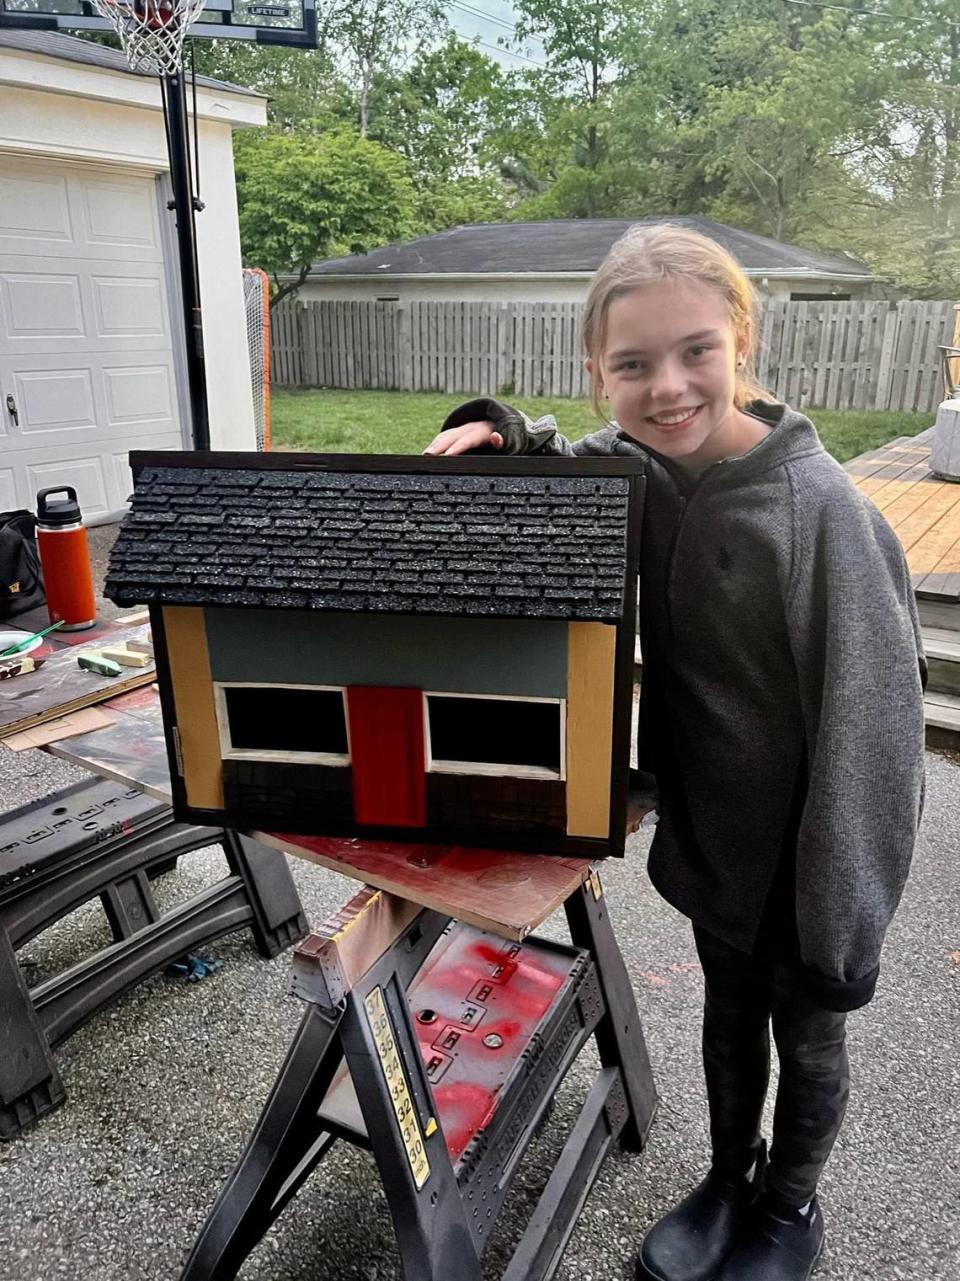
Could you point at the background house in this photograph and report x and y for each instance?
(553, 262)
(340, 653)
(91, 329)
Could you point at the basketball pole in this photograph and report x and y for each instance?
(173, 90)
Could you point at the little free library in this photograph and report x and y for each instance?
(398, 648)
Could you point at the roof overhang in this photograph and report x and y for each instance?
(27, 69)
(406, 277)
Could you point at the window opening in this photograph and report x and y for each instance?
(494, 735)
(273, 722)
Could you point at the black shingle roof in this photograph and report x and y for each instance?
(573, 245)
(516, 546)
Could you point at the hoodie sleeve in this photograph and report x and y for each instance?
(521, 435)
(855, 638)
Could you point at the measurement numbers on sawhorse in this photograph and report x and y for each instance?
(385, 1041)
(440, 1047)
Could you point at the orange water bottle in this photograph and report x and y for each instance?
(65, 557)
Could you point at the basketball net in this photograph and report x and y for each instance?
(151, 32)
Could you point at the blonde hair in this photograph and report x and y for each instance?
(665, 251)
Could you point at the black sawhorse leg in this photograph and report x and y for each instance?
(101, 839)
(620, 1041)
(441, 1212)
(290, 1138)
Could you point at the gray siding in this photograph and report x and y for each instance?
(457, 655)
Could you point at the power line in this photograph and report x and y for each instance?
(481, 13)
(496, 48)
(874, 13)
(501, 22)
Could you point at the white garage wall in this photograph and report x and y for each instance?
(61, 110)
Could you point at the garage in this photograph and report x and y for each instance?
(92, 356)
(87, 368)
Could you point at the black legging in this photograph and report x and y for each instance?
(744, 995)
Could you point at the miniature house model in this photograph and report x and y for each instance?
(392, 647)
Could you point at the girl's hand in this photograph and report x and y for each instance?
(461, 440)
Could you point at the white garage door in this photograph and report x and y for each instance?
(86, 358)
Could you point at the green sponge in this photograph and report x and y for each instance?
(96, 663)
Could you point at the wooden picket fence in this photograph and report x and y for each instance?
(835, 355)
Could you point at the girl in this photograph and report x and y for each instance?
(782, 717)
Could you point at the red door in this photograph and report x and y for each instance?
(387, 755)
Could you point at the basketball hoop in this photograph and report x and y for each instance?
(151, 32)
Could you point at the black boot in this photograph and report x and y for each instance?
(778, 1244)
(692, 1241)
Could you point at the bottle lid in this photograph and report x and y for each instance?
(58, 511)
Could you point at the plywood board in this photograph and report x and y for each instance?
(131, 750)
(103, 630)
(60, 686)
(82, 722)
(507, 893)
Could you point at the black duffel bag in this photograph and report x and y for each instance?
(21, 583)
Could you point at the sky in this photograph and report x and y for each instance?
(490, 20)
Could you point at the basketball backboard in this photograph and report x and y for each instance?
(284, 22)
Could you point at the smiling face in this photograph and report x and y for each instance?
(668, 369)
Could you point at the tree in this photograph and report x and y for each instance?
(582, 43)
(442, 114)
(304, 198)
(304, 89)
(910, 228)
(757, 112)
(376, 35)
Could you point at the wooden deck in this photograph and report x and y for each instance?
(923, 511)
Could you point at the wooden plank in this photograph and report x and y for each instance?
(355, 353)
(872, 470)
(186, 640)
(933, 547)
(352, 939)
(938, 613)
(438, 370)
(506, 347)
(406, 369)
(60, 687)
(132, 750)
(949, 562)
(942, 710)
(324, 347)
(764, 329)
(507, 893)
(940, 506)
(823, 326)
(884, 382)
(921, 322)
(591, 649)
(901, 498)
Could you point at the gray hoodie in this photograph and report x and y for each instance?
(782, 707)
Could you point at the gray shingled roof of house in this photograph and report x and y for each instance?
(572, 246)
(54, 44)
(498, 546)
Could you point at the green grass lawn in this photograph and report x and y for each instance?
(396, 422)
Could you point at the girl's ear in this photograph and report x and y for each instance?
(590, 365)
(743, 345)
